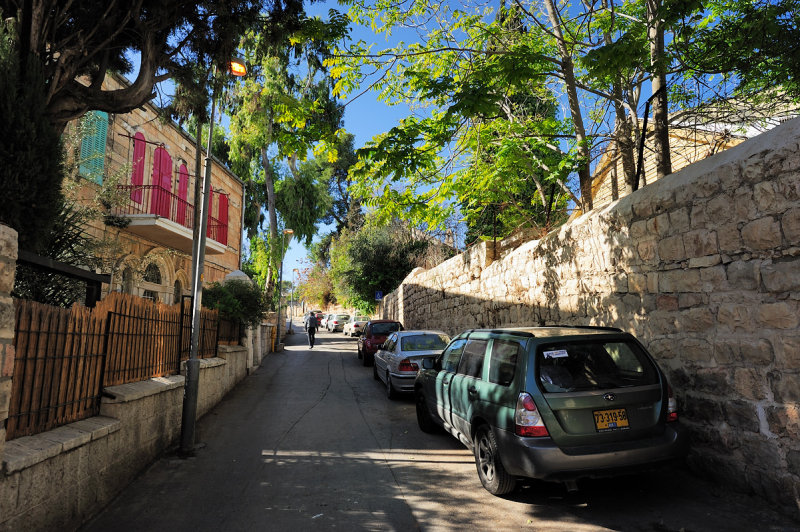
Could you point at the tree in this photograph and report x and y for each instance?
(756, 40)
(31, 155)
(76, 43)
(477, 84)
(284, 109)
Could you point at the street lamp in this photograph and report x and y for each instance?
(236, 67)
(291, 300)
(280, 279)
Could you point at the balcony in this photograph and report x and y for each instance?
(159, 215)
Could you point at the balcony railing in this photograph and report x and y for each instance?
(156, 200)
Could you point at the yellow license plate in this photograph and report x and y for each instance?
(606, 420)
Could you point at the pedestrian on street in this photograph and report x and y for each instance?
(311, 328)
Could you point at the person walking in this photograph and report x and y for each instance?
(311, 328)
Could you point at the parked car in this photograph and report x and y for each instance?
(336, 322)
(354, 326)
(374, 334)
(398, 360)
(553, 403)
(323, 323)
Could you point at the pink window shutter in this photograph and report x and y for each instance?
(223, 219)
(212, 229)
(162, 182)
(183, 192)
(137, 175)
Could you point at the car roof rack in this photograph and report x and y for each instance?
(594, 327)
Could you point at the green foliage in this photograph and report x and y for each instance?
(485, 121)
(374, 259)
(236, 300)
(69, 242)
(31, 154)
(754, 39)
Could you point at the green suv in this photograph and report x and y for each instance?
(553, 403)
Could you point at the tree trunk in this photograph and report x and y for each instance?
(568, 71)
(622, 127)
(655, 34)
(273, 223)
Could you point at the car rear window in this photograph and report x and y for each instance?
(385, 328)
(424, 342)
(593, 365)
(343, 317)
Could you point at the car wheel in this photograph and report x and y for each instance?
(359, 353)
(424, 418)
(493, 475)
(391, 393)
(375, 373)
(368, 359)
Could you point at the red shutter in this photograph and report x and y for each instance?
(223, 219)
(162, 182)
(183, 191)
(211, 224)
(137, 175)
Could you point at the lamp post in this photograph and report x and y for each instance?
(291, 300)
(236, 67)
(280, 279)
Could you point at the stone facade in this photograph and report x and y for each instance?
(702, 266)
(136, 249)
(8, 262)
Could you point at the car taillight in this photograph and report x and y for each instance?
(672, 406)
(407, 365)
(527, 420)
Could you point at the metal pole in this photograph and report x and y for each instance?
(191, 386)
(291, 305)
(280, 280)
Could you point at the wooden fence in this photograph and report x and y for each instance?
(64, 357)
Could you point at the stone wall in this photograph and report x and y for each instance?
(57, 479)
(8, 262)
(703, 266)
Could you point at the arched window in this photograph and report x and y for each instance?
(152, 274)
(177, 292)
(127, 281)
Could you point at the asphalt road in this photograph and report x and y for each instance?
(310, 442)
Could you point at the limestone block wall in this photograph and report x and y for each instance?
(703, 266)
(8, 261)
(57, 479)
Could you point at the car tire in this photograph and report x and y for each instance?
(391, 393)
(359, 352)
(424, 418)
(493, 475)
(368, 359)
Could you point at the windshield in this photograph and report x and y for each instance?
(385, 328)
(593, 365)
(424, 342)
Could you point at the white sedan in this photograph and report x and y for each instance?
(399, 358)
(354, 326)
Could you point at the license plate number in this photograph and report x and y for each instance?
(607, 420)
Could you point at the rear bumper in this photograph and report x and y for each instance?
(403, 382)
(541, 458)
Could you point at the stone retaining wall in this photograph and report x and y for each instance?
(703, 266)
(57, 479)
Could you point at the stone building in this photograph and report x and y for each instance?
(149, 165)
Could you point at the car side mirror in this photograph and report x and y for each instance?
(429, 363)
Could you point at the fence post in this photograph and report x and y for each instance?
(8, 265)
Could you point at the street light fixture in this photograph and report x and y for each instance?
(280, 280)
(236, 67)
